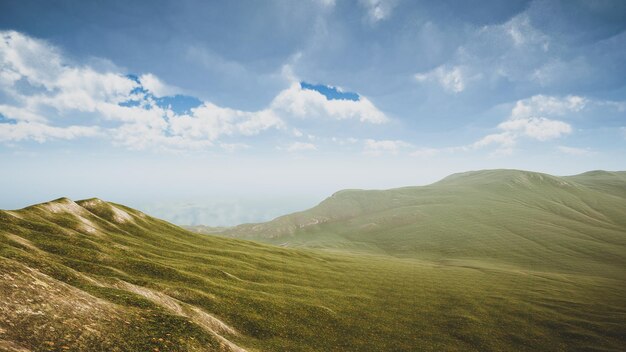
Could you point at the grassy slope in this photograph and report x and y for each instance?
(491, 218)
(71, 275)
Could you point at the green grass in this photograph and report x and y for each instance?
(451, 281)
(494, 218)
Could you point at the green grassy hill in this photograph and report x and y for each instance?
(489, 218)
(97, 276)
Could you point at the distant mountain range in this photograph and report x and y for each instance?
(496, 260)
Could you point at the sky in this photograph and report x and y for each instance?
(224, 112)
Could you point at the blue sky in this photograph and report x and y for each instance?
(228, 112)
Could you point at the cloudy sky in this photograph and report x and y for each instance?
(221, 112)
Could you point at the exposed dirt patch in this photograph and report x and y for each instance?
(159, 298)
(39, 312)
(208, 322)
(13, 213)
(64, 205)
(68, 206)
(120, 216)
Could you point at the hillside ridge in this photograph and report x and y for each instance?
(498, 207)
(99, 276)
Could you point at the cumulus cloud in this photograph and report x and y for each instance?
(504, 139)
(305, 100)
(157, 87)
(308, 103)
(48, 97)
(541, 105)
(528, 119)
(20, 114)
(539, 128)
(527, 116)
(66, 90)
(210, 121)
(38, 83)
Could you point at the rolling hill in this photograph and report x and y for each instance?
(490, 218)
(487, 261)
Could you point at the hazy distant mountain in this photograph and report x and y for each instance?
(482, 261)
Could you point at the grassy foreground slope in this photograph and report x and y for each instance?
(492, 218)
(97, 276)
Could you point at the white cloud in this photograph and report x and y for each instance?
(307, 103)
(53, 87)
(538, 128)
(344, 141)
(574, 151)
(153, 84)
(534, 118)
(59, 91)
(301, 147)
(451, 79)
(25, 58)
(20, 114)
(504, 142)
(522, 33)
(379, 147)
(210, 121)
(504, 139)
(542, 105)
(258, 121)
(20, 57)
(421, 77)
(140, 136)
(40, 132)
(527, 120)
(528, 116)
(508, 52)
